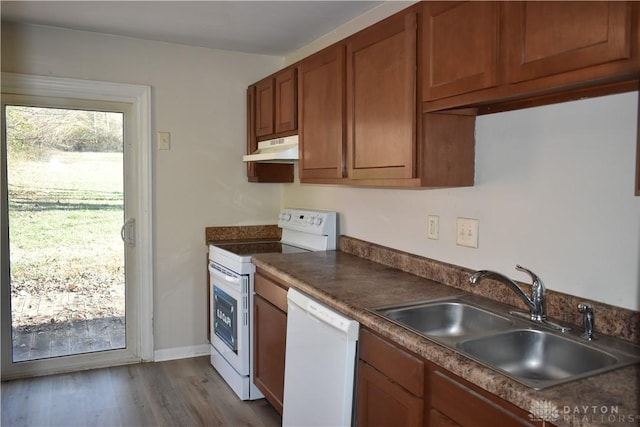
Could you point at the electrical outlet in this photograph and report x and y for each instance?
(433, 227)
(467, 232)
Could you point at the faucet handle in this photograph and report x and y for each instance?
(534, 277)
(538, 295)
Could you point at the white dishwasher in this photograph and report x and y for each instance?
(320, 359)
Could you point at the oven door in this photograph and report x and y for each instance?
(230, 316)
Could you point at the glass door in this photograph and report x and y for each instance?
(66, 208)
(70, 234)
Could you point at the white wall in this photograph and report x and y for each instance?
(199, 96)
(554, 192)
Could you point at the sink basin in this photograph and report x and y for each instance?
(522, 350)
(446, 318)
(537, 358)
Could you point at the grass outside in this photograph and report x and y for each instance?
(65, 214)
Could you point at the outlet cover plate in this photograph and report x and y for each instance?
(433, 227)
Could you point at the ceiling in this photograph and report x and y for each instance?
(263, 27)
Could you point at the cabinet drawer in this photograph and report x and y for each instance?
(468, 407)
(436, 419)
(271, 290)
(400, 366)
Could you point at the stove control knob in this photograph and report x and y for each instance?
(310, 220)
(318, 220)
(285, 216)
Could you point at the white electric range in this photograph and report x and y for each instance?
(231, 273)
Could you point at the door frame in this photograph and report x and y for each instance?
(139, 96)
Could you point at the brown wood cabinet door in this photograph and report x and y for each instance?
(448, 155)
(381, 99)
(262, 172)
(382, 402)
(286, 98)
(321, 111)
(460, 43)
(264, 108)
(548, 37)
(270, 334)
(437, 419)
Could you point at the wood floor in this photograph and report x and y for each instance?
(186, 392)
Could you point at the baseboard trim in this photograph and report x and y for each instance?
(181, 352)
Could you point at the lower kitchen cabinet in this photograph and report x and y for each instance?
(382, 402)
(398, 388)
(390, 384)
(438, 419)
(454, 401)
(270, 334)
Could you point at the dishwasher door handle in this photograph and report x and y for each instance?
(323, 314)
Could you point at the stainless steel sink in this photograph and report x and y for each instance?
(446, 318)
(537, 358)
(525, 351)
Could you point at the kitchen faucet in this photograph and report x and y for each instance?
(537, 303)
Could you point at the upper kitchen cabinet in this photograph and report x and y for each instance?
(261, 172)
(272, 111)
(286, 101)
(276, 104)
(509, 55)
(359, 121)
(321, 104)
(264, 107)
(381, 99)
(547, 38)
(460, 44)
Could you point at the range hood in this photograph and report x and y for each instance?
(279, 150)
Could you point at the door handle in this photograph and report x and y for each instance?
(128, 232)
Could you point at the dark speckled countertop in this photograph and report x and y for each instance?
(351, 284)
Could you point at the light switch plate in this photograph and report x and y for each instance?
(467, 232)
(433, 227)
(164, 141)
